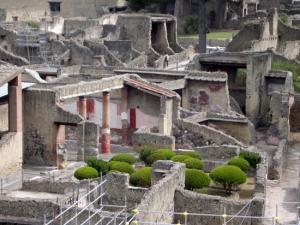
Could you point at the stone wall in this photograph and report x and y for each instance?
(41, 118)
(192, 202)
(74, 24)
(26, 209)
(49, 186)
(295, 115)
(139, 62)
(129, 24)
(11, 153)
(199, 95)
(118, 191)
(160, 198)
(244, 132)
(100, 49)
(9, 57)
(121, 49)
(196, 135)
(36, 9)
(275, 169)
(144, 137)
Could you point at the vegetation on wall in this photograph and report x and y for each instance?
(289, 66)
(141, 4)
(32, 24)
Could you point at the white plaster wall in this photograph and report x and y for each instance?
(145, 120)
(142, 119)
(115, 115)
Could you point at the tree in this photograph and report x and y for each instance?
(228, 176)
(202, 25)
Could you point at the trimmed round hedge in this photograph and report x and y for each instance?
(228, 176)
(192, 154)
(240, 163)
(145, 152)
(193, 163)
(154, 157)
(98, 164)
(167, 152)
(196, 179)
(180, 158)
(141, 177)
(86, 173)
(124, 157)
(252, 157)
(122, 167)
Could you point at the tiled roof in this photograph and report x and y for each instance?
(149, 87)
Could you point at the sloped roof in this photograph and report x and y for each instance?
(149, 87)
(9, 72)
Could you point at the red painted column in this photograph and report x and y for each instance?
(105, 138)
(124, 115)
(15, 105)
(82, 107)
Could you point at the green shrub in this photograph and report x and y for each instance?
(193, 163)
(191, 25)
(124, 157)
(141, 177)
(145, 152)
(191, 154)
(228, 176)
(240, 163)
(110, 163)
(98, 164)
(122, 167)
(154, 157)
(241, 77)
(180, 158)
(86, 173)
(253, 158)
(195, 179)
(32, 24)
(284, 18)
(167, 152)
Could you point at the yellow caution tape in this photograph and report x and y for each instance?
(224, 216)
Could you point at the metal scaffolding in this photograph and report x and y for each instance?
(91, 204)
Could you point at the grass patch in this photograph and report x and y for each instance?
(289, 66)
(215, 35)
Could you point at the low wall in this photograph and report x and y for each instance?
(11, 153)
(118, 191)
(202, 132)
(160, 198)
(45, 185)
(145, 137)
(275, 169)
(139, 62)
(26, 209)
(261, 175)
(192, 202)
(221, 152)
